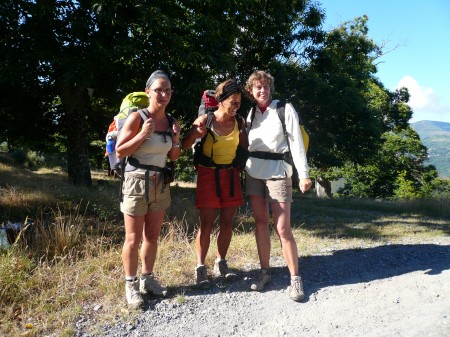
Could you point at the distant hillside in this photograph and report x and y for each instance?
(436, 137)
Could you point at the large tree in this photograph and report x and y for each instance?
(66, 50)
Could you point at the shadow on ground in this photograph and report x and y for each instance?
(370, 264)
(348, 266)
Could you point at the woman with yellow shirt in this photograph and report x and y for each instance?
(218, 184)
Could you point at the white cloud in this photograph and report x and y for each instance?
(424, 102)
(420, 96)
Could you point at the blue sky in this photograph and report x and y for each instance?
(417, 33)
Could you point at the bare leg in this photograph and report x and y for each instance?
(225, 231)
(282, 220)
(260, 209)
(133, 237)
(152, 228)
(203, 239)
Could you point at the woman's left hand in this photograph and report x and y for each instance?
(176, 129)
(304, 184)
(176, 132)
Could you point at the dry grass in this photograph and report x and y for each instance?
(68, 262)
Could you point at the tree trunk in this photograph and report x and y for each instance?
(75, 102)
(323, 188)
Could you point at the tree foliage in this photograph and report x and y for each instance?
(397, 170)
(342, 124)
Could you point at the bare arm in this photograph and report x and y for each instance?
(243, 136)
(130, 137)
(175, 151)
(198, 130)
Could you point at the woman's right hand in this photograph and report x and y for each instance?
(201, 131)
(148, 127)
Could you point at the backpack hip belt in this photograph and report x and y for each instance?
(220, 166)
(286, 156)
(135, 163)
(217, 168)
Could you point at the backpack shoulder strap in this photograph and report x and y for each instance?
(170, 119)
(208, 124)
(240, 121)
(209, 120)
(281, 114)
(252, 115)
(144, 116)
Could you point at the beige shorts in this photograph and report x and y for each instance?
(134, 202)
(279, 190)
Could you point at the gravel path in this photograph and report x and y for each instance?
(389, 290)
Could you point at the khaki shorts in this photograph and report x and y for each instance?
(133, 190)
(274, 190)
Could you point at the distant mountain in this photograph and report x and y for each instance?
(436, 137)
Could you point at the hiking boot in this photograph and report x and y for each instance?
(202, 277)
(148, 284)
(134, 298)
(296, 289)
(264, 278)
(221, 269)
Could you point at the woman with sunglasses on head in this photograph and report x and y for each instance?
(268, 177)
(218, 181)
(147, 138)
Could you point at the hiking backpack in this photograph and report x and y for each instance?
(200, 158)
(131, 102)
(168, 171)
(208, 105)
(208, 102)
(288, 155)
(281, 115)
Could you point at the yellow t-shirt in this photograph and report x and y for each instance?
(224, 149)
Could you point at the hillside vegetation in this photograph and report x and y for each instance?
(436, 137)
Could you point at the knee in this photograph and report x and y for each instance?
(286, 234)
(132, 242)
(226, 226)
(203, 233)
(261, 227)
(151, 240)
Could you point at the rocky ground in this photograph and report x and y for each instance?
(388, 290)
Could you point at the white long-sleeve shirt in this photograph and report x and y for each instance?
(266, 134)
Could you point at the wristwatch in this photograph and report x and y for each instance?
(176, 145)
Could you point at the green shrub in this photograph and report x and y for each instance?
(35, 160)
(4, 147)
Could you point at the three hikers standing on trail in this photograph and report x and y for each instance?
(146, 196)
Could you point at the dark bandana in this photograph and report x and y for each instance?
(228, 90)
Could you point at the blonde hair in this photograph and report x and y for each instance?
(258, 75)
